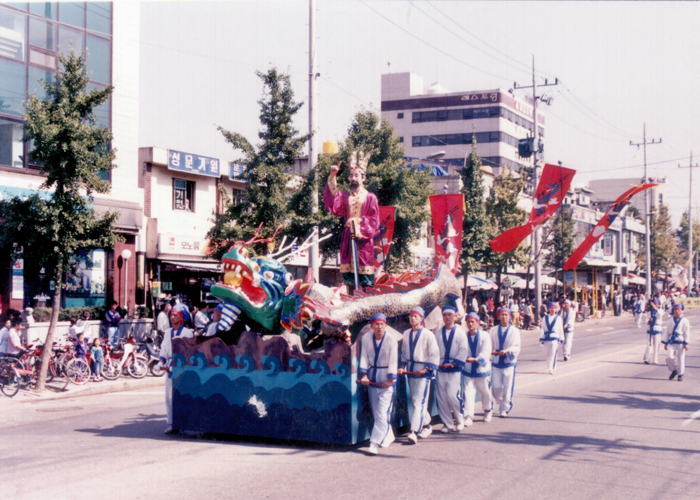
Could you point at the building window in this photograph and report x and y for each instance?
(70, 39)
(13, 87)
(13, 30)
(48, 10)
(99, 17)
(99, 59)
(400, 139)
(238, 196)
(399, 116)
(73, 13)
(11, 145)
(183, 195)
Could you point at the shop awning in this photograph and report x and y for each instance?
(598, 265)
(202, 267)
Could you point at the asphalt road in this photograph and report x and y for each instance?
(606, 426)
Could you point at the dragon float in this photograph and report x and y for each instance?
(267, 384)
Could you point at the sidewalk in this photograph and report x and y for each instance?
(90, 389)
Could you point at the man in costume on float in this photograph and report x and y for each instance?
(360, 210)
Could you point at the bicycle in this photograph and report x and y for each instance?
(9, 377)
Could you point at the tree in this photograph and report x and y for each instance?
(73, 151)
(388, 177)
(682, 234)
(264, 167)
(475, 237)
(560, 242)
(634, 212)
(664, 249)
(503, 213)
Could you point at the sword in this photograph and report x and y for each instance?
(355, 263)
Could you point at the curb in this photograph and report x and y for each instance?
(94, 389)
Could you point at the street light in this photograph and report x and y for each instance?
(126, 255)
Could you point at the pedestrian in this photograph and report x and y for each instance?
(676, 341)
(83, 325)
(484, 314)
(552, 335)
(638, 309)
(14, 346)
(200, 318)
(163, 319)
(81, 346)
(379, 368)
(474, 305)
(177, 319)
(505, 339)
(655, 329)
(452, 342)
(528, 314)
(477, 373)
(5, 336)
(113, 319)
(568, 319)
(96, 359)
(420, 356)
(515, 313)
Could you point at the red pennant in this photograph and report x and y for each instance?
(383, 237)
(604, 224)
(448, 217)
(553, 186)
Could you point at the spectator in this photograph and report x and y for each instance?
(83, 326)
(200, 318)
(14, 345)
(73, 329)
(96, 359)
(5, 336)
(163, 320)
(113, 318)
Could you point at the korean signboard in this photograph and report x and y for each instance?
(607, 244)
(193, 164)
(180, 245)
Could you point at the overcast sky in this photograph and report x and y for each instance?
(620, 65)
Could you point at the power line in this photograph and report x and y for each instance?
(599, 168)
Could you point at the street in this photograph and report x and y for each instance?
(605, 426)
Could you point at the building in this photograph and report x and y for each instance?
(606, 191)
(32, 35)
(432, 121)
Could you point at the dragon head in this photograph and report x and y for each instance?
(255, 284)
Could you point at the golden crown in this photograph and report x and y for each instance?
(362, 162)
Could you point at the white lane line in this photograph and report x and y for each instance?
(689, 421)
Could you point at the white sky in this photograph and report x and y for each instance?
(620, 65)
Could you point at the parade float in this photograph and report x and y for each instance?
(267, 385)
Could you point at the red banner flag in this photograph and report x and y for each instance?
(553, 186)
(604, 224)
(383, 237)
(448, 216)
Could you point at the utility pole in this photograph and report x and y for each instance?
(690, 222)
(313, 250)
(647, 233)
(536, 144)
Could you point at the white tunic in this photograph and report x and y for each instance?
(568, 319)
(505, 339)
(453, 348)
(677, 332)
(479, 347)
(379, 358)
(166, 348)
(552, 329)
(419, 350)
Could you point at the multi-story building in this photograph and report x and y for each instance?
(606, 191)
(431, 121)
(32, 35)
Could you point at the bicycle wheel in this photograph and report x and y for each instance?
(78, 371)
(137, 367)
(156, 369)
(111, 369)
(10, 381)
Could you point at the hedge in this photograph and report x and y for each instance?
(43, 314)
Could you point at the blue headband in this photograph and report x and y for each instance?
(550, 304)
(504, 309)
(473, 315)
(377, 317)
(418, 310)
(449, 308)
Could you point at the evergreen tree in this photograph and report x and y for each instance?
(264, 167)
(388, 178)
(475, 236)
(559, 243)
(503, 213)
(664, 249)
(682, 234)
(73, 152)
(634, 212)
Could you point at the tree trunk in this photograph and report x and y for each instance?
(48, 345)
(497, 305)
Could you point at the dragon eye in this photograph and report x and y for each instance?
(269, 274)
(288, 278)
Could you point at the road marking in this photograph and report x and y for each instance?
(689, 421)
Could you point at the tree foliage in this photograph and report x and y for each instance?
(73, 151)
(561, 238)
(264, 167)
(682, 234)
(664, 249)
(475, 237)
(388, 178)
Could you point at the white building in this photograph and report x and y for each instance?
(606, 191)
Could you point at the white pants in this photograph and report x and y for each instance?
(471, 385)
(652, 349)
(450, 404)
(169, 398)
(420, 392)
(639, 317)
(502, 385)
(675, 358)
(382, 402)
(568, 342)
(551, 348)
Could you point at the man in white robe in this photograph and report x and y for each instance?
(452, 342)
(477, 373)
(638, 309)
(166, 359)
(656, 314)
(568, 319)
(676, 340)
(505, 339)
(552, 335)
(379, 358)
(420, 357)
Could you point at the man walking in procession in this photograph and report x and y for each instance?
(420, 357)
(676, 340)
(360, 210)
(177, 319)
(568, 317)
(552, 334)
(505, 338)
(655, 329)
(477, 374)
(453, 345)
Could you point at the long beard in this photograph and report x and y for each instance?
(354, 185)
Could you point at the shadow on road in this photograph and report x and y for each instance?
(140, 427)
(636, 401)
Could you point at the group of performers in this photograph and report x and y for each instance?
(463, 363)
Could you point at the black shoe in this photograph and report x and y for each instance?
(680, 378)
(646, 362)
(673, 375)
